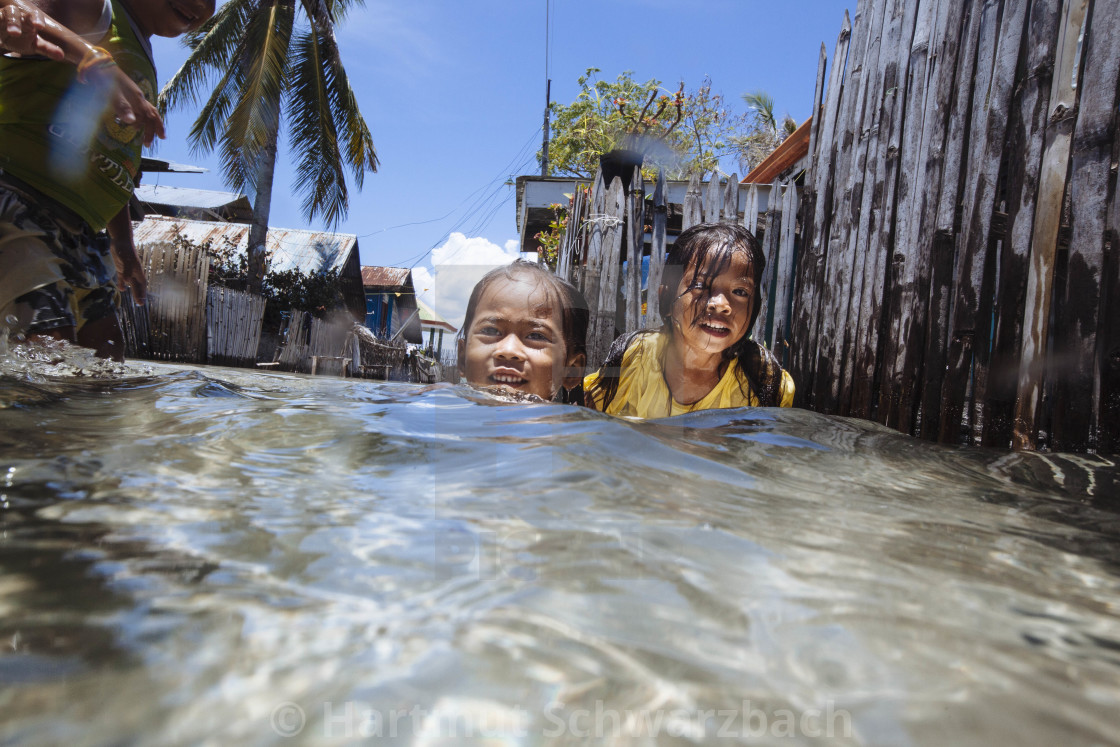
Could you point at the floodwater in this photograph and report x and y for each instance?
(206, 555)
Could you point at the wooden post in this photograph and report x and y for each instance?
(783, 274)
(1051, 187)
(1026, 130)
(1077, 338)
(713, 203)
(693, 208)
(657, 253)
(770, 248)
(635, 244)
(593, 268)
(812, 260)
(603, 330)
(974, 287)
(730, 212)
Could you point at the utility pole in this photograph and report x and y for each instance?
(544, 145)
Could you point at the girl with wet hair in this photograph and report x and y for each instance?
(525, 332)
(702, 357)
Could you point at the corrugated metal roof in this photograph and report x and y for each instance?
(183, 197)
(288, 248)
(386, 277)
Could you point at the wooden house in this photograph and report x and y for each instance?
(390, 304)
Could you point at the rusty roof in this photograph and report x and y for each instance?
(288, 248)
(793, 149)
(386, 277)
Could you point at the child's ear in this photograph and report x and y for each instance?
(576, 363)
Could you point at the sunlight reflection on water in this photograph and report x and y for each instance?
(187, 553)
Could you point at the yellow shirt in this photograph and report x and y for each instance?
(643, 393)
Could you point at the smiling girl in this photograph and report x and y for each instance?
(525, 331)
(702, 357)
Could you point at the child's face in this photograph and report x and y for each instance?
(170, 18)
(516, 339)
(724, 311)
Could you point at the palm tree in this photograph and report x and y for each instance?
(270, 69)
(764, 135)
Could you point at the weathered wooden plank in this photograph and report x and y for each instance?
(606, 304)
(593, 267)
(1109, 415)
(730, 212)
(750, 210)
(1051, 187)
(693, 203)
(946, 227)
(1026, 129)
(771, 246)
(1076, 326)
(974, 282)
(783, 274)
(918, 180)
(815, 112)
(840, 265)
(713, 200)
(878, 208)
(657, 252)
(635, 243)
(812, 260)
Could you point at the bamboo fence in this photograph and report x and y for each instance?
(233, 326)
(958, 273)
(171, 325)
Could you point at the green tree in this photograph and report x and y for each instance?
(682, 131)
(763, 134)
(269, 68)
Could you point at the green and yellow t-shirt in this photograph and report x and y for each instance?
(59, 136)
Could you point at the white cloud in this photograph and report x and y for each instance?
(456, 267)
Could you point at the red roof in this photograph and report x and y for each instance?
(793, 149)
(385, 277)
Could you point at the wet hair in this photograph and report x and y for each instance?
(574, 315)
(708, 249)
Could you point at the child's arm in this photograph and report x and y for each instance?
(130, 273)
(26, 29)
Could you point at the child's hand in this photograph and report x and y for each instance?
(130, 272)
(20, 25)
(127, 100)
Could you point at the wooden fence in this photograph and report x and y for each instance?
(609, 225)
(171, 326)
(958, 276)
(233, 326)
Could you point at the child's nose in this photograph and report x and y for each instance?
(509, 348)
(717, 303)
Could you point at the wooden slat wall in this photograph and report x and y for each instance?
(233, 326)
(958, 275)
(172, 324)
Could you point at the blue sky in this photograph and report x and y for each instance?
(454, 96)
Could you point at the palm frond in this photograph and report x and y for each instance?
(254, 120)
(320, 179)
(212, 47)
(763, 104)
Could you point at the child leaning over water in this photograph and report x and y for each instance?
(525, 331)
(77, 87)
(701, 358)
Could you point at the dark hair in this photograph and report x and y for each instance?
(574, 314)
(708, 248)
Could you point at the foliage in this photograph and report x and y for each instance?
(763, 135)
(684, 131)
(316, 292)
(259, 64)
(549, 239)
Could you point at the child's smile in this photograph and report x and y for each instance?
(515, 340)
(711, 315)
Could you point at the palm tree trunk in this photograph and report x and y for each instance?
(262, 202)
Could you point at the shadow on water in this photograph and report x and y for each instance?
(187, 552)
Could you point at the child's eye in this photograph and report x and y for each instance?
(538, 337)
(489, 331)
(742, 292)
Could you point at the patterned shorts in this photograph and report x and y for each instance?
(88, 291)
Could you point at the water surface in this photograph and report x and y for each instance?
(207, 554)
